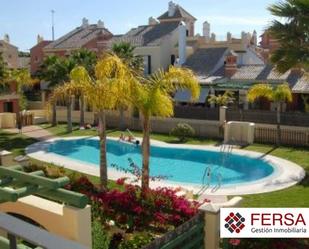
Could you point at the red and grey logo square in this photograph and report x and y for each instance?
(234, 222)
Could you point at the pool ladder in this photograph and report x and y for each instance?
(226, 150)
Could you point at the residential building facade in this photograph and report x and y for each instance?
(93, 37)
(9, 52)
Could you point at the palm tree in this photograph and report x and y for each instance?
(65, 93)
(292, 34)
(22, 79)
(87, 59)
(153, 98)
(111, 88)
(55, 71)
(279, 95)
(125, 51)
(222, 100)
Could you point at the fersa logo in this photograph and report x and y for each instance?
(277, 219)
(264, 222)
(235, 222)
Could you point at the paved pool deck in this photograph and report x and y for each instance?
(286, 173)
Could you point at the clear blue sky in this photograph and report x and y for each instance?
(23, 20)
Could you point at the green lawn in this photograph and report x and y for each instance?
(297, 196)
(14, 142)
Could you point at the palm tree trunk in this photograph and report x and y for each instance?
(103, 160)
(54, 114)
(69, 114)
(82, 111)
(121, 119)
(146, 152)
(278, 140)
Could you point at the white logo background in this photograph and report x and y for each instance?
(272, 226)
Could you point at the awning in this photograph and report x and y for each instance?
(185, 96)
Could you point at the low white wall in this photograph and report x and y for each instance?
(35, 105)
(239, 132)
(161, 125)
(7, 120)
(69, 222)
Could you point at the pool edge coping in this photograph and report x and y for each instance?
(286, 173)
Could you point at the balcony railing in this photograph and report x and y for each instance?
(17, 228)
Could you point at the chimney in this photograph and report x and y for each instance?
(213, 37)
(39, 39)
(182, 43)
(171, 8)
(243, 37)
(297, 71)
(230, 64)
(6, 38)
(206, 30)
(229, 37)
(100, 24)
(85, 23)
(254, 38)
(152, 21)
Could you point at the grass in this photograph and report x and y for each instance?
(296, 196)
(14, 142)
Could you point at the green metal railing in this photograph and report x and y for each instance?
(15, 184)
(190, 235)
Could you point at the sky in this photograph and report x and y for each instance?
(23, 20)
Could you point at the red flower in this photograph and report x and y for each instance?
(234, 242)
(137, 209)
(121, 181)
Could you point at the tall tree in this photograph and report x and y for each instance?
(111, 88)
(279, 95)
(153, 98)
(125, 51)
(55, 71)
(86, 59)
(292, 33)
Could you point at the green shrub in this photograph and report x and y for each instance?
(137, 241)
(183, 131)
(100, 238)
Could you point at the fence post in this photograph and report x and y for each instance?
(212, 221)
(222, 114)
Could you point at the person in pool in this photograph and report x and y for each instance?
(122, 137)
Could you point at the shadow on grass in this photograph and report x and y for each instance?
(305, 181)
(15, 142)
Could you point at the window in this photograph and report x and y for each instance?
(8, 107)
(173, 59)
(187, 32)
(147, 64)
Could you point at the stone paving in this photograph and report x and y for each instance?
(33, 131)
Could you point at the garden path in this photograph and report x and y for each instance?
(33, 131)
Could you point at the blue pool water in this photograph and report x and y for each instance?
(181, 165)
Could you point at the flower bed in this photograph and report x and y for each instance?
(134, 218)
(267, 244)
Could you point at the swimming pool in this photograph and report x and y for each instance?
(178, 164)
(242, 172)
